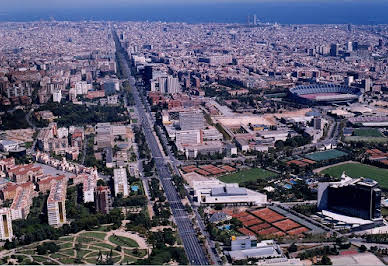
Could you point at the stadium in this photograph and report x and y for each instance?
(324, 94)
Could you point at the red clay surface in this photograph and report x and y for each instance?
(240, 215)
(270, 223)
(252, 222)
(268, 215)
(228, 168)
(246, 232)
(202, 172)
(269, 231)
(259, 227)
(286, 225)
(247, 218)
(298, 231)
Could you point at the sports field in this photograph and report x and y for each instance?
(366, 139)
(367, 132)
(356, 170)
(325, 155)
(247, 175)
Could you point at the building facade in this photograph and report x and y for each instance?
(351, 197)
(56, 210)
(6, 232)
(120, 182)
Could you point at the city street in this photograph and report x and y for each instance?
(194, 250)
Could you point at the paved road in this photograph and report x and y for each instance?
(194, 250)
(28, 119)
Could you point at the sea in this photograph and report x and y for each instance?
(280, 11)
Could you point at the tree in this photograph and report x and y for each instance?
(362, 248)
(292, 248)
(324, 261)
(101, 182)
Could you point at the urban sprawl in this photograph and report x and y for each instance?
(175, 143)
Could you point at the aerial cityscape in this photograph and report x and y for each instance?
(150, 142)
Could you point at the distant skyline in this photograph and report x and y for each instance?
(198, 11)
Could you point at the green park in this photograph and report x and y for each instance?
(356, 170)
(247, 175)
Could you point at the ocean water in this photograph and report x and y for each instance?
(284, 12)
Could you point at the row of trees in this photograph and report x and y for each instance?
(73, 114)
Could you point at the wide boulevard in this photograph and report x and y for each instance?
(194, 251)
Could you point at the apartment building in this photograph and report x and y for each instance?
(103, 200)
(56, 210)
(22, 201)
(24, 173)
(6, 232)
(89, 184)
(120, 181)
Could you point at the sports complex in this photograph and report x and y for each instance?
(316, 94)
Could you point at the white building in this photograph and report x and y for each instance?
(186, 137)
(191, 120)
(89, 184)
(6, 232)
(213, 192)
(82, 87)
(165, 84)
(56, 210)
(244, 247)
(62, 132)
(211, 134)
(120, 182)
(8, 145)
(173, 85)
(57, 96)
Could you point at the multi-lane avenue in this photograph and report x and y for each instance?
(194, 250)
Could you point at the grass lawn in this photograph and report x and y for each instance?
(123, 241)
(140, 252)
(83, 252)
(360, 170)
(92, 255)
(66, 245)
(91, 260)
(69, 252)
(325, 155)
(85, 240)
(366, 139)
(247, 175)
(127, 259)
(40, 259)
(103, 245)
(56, 256)
(66, 238)
(367, 132)
(98, 235)
(28, 251)
(66, 260)
(384, 211)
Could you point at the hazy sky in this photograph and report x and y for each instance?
(196, 11)
(82, 3)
